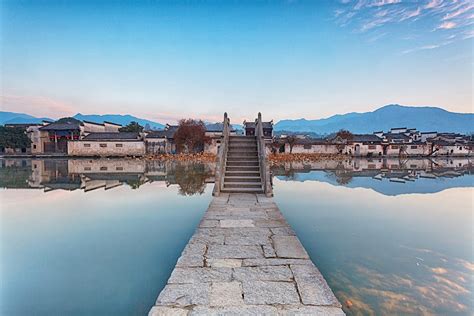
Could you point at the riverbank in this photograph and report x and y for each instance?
(276, 159)
(199, 157)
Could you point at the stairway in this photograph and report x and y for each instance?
(242, 169)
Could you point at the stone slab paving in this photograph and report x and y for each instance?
(244, 259)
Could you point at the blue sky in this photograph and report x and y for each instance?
(165, 60)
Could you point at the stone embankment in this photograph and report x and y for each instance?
(245, 259)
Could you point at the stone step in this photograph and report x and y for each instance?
(242, 163)
(242, 137)
(243, 145)
(243, 140)
(248, 158)
(242, 190)
(242, 174)
(228, 179)
(257, 185)
(243, 168)
(239, 158)
(242, 153)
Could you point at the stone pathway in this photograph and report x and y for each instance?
(244, 259)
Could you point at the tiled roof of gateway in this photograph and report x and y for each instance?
(252, 124)
(112, 136)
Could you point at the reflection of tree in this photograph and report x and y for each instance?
(343, 177)
(15, 176)
(191, 178)
(135, 183)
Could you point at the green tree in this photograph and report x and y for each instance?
(14, 137)
(132, 127)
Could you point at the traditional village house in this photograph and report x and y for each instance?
(214, 135)
(311, 146)
(59, 133)
(365, 145)
(161, 142)
(108, 145)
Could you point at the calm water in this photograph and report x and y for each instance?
(395, 238)
(100, 237)
(93, 242)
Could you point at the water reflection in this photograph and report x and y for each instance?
(391, 237)
(381, 174)
(92, 174)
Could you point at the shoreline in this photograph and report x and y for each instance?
(274, 159)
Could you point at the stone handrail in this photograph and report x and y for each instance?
(221, 156)
(262, 157)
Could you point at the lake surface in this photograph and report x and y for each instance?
(390, 237)
(101, 237)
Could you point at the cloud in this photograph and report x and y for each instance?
(37, 105)
(446, 25)
(426, 16)
(458, 12)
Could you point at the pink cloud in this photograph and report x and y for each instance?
(36, 105)
(447, 25)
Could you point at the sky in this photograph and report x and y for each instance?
(167, 60)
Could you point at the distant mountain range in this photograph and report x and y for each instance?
(384, 118)
(118, 119)
(17, 118)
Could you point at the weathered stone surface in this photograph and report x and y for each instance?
(263, 273)
(268, 292)
(184, 294)
(247, 310)
(250, 239)
(209, 223)
(200, 275)
(192, 256)
(224, 263)
(234, 252)
(270, 223)
(289, 247)
(284, 231)
(268, 251)
(165, 311)
(226, 294)
(273, 262)
(236, 223)
(312, 286)
(311, 310)
(203, 236)
(244, 259)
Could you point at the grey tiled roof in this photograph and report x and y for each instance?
(366, 138)
(112, 136)
(252, 124)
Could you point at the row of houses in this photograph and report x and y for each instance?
(396, 142)
(72, 137)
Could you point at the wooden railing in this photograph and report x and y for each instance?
(221, 157)
(262, 157)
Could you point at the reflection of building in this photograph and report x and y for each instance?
(91, 174)
(384, 175)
